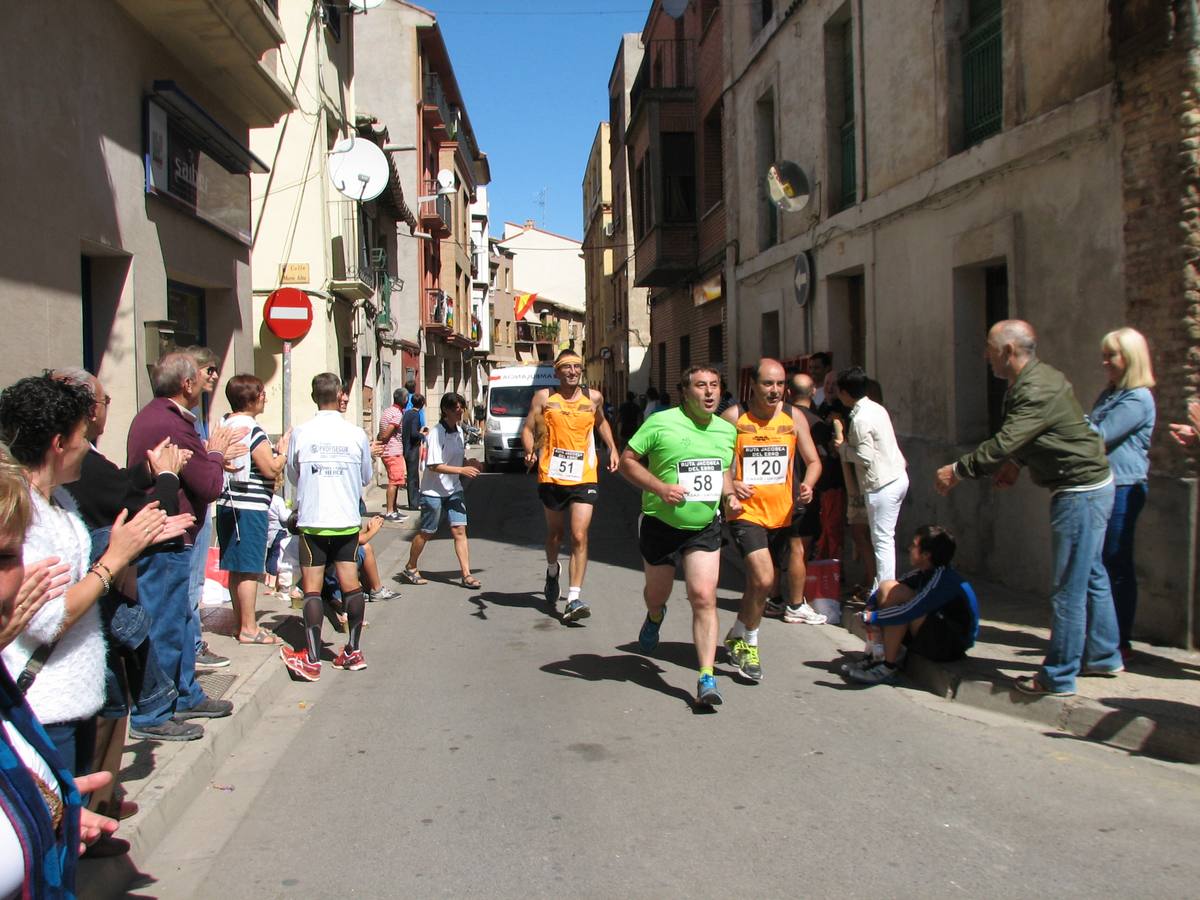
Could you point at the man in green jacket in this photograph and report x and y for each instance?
(1044, 429)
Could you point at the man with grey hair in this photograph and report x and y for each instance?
(390, 421)
(1044, 428)
(163, 577)
(208, 372)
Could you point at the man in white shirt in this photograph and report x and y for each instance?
(329, 461)
(881, 468)
(819, 365)
(441, 490)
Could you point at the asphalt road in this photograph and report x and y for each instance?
(491, 751)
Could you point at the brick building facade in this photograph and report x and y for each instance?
(675, 146)
(1157, 77)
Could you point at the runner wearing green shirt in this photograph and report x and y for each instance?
(680, 459)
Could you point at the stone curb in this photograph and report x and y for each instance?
(178, 781)
(1080, 717)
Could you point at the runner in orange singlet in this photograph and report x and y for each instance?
(567, 471)
(769, 435)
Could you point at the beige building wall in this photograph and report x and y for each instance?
(301, 218)
(75, 186)
(633, 303)
(900, 273)
(601, 333)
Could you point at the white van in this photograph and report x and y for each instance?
(510, 394)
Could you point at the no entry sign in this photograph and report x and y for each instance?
(288, 314)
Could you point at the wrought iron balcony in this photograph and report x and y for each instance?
(435, 214)
(351, 274)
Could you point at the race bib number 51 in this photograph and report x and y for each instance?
(765, 464)
(566, 465)
(701, 478)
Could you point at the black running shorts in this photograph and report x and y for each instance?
(319, 550)
(662, 545)
(559, 496)
(750, 536)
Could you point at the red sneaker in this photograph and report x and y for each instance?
(351, 660)
(298, 664)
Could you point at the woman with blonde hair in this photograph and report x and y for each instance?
(1124, 416)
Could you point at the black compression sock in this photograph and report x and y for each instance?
(356, 606)
(314, 618)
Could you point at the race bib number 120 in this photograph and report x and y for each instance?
(765, 464)
(701, 478)
(566, 465)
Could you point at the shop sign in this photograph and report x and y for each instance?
(178, 170)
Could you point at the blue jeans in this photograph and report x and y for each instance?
(75, 742)
(162, 592)
(1118, 554)
(196, 582)
(132, 668)
(1083, 626)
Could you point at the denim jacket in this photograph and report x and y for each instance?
(1125, 420)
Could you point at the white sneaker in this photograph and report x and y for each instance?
(803, 615)
(381, 593)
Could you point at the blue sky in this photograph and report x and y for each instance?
(534, 75)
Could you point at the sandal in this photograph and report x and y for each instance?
(262, 636)
(412, 576)
(470, 581)
(1034, 688)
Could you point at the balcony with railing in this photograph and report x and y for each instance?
(434, 104)
(223, 42)
(351, 274)
(668, 70)
(534, 333)
(436, 211)
(437, 315)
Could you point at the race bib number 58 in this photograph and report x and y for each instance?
(701, 478)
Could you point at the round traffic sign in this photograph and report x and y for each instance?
(288, 313)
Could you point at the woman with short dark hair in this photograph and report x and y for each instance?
(59, 659)
(242, 509)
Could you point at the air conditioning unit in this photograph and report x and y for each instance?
(610, 229)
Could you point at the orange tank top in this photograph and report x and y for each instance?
(569, 450)
(763, 459)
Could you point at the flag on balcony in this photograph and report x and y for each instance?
(521, 305)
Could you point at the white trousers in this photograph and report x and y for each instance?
(883, 509)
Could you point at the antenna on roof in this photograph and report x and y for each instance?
(540, 199)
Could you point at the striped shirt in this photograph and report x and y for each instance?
(393, 415)
(248, 487)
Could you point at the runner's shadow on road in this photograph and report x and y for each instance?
(515, 600)
(625, 667)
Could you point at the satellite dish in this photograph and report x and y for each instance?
(361, 6)
(675, 8)
(358, 168)
(445, 180)
(788, 186)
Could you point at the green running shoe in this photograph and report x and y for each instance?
(750, 666)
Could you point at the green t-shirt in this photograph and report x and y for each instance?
(678, 451)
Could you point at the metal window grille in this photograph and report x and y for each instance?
(983, 72)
